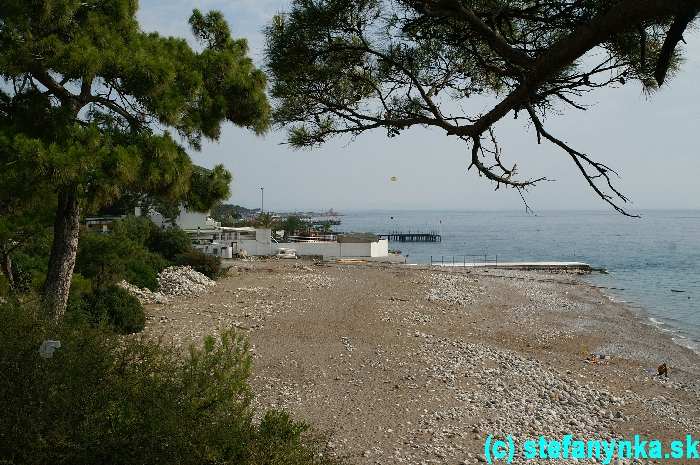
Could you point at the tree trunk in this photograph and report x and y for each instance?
(64, 249)
(6, 266)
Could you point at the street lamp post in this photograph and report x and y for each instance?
(262, 200)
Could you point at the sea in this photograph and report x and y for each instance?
(652, 262)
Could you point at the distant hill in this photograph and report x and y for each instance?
(227, 213)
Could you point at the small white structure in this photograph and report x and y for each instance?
(102, 224)
(226, 242)
(185, 220)
(286, 253)
(344, 246)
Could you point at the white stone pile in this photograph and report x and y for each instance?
(183, 280)
(145, 295)
(173, 281)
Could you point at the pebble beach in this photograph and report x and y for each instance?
(408, 364)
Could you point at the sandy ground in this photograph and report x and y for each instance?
(400, 364)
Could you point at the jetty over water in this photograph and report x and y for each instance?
(524, 266)
(412, 237)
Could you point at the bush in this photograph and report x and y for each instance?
(169, 243)
(208, 265)
(108, 258)
(30, 262)
(23, 279)
(80, 289)
(136, 229)
(116, 308)
(143, 271)
(102, 398)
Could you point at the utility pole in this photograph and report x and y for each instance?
(262, 200)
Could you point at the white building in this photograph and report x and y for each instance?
(227, 242)
(102, 224)
(185, 220)
(208, 236)
(343, 246)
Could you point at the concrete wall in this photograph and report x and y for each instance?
(335, 249)
(262, 245)
(381, 248)
(360, 249)
(185, 220)
(327, 249)
(219, 250)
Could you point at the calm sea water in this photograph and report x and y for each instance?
(653, 262)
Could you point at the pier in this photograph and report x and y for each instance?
(484, 261)
(412, 237)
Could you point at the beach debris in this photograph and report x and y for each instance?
(421, 335)
(286, 253)
(48, 347)
(350, 261)
(302, 267)
(255, 290)
(598, 359)
(662, 370)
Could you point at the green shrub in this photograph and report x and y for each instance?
(80, 288)
(169, 243)
(136, 229)
(107, 259)
(4, 286)
(103, 398)
(115, 307)
(142, 274)
(282, 441)
(208, 265)
(30, 262)
(23, 279)
(28, 273)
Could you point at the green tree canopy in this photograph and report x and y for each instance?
(348, 67)
(95, 108)
(294, 224)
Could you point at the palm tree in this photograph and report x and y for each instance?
(264, 220)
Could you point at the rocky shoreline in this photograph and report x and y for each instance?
(410, 365)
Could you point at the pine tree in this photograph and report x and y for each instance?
(93, 108)
(347, 67)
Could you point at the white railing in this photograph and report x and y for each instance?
(322, 238)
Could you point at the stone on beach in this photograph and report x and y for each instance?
(172, 282)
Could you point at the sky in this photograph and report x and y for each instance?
(651, 140)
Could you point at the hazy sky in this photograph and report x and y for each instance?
(651, 140)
